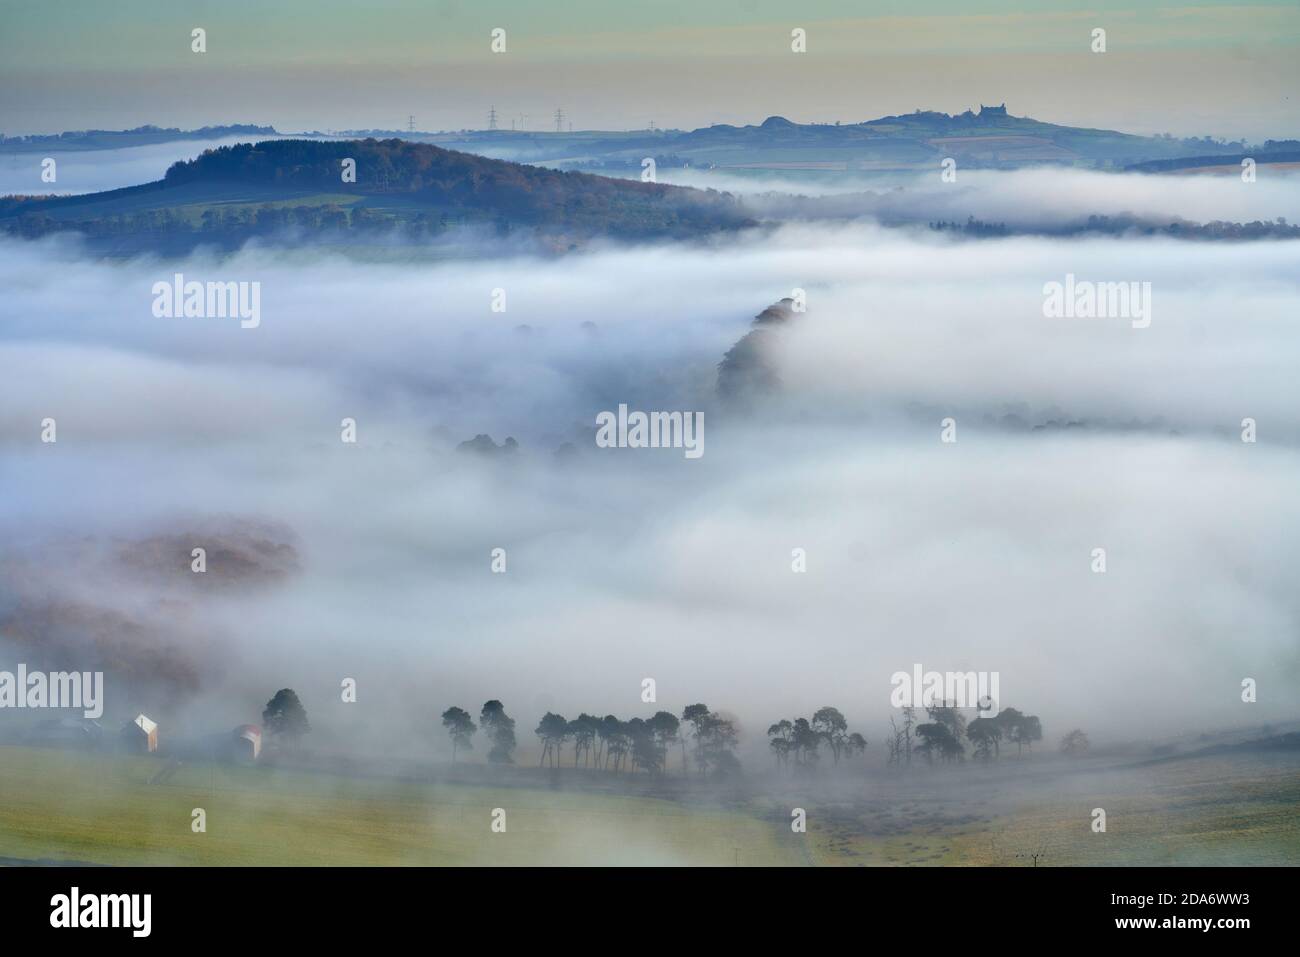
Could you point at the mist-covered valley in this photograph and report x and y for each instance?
(373, 560)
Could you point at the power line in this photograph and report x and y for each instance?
(492, 118)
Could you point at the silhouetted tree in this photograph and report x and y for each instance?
(831, 727)
(984, 734)
(460, 726)
(1030, 730)
(642, 745)
(782, 735)
(694, 714)
(1022, 729)
(285, 717)
(715, 739)
(950, 716)
(500, 730)
(665, 727)
(855, 744)
(583, 731)
(552, 729)
(938, 740)
(804, 742)
(616, 743)
(1075, 743)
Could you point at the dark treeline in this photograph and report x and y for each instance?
(1127, 226)
(972, 227)
(1217, 229)
(1272, 151)
(707, 741)
(944, 736)
(705, 738)
(169, 230)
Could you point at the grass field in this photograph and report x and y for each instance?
(1224, 810)
(1239, 809)
(102, 809)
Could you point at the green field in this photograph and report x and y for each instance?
(1227, 810)
(97, 808)
(102, 809)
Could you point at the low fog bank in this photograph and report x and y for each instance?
(372, 560)
(1037, 198)
(92, 171)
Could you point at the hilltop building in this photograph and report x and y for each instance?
(140, 735)
(246, 743)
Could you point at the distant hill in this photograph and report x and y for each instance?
(81, 140)
(231, 194)
(988, 138)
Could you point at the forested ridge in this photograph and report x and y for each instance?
(418, 187)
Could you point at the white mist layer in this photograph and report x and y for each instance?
(628, 564)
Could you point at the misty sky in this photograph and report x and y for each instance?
(1223, 69)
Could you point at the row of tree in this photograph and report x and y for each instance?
(644, 744)
(608, 743)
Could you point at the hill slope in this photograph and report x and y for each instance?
(989, 138)
(228, 195)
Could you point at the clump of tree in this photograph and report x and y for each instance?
(553, 730)
(938, 742)
(715, 740)
(985, 734)
(583, 731)
(1022, 730)
(781, 741)
(941, 735)
(664, 729)
(797, 744)
(460, 727)
(1075, 743)
(944, 736)
(610, 743)
(499, 728)
(284, 717)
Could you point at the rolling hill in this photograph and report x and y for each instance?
(991, 138)
(275, 188)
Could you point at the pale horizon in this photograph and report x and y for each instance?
(1223, 70)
